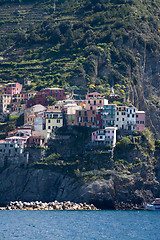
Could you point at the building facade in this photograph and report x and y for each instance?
(120, 117)
(13, 88)
(5, 101)
(54, 119)
(108, 116)
(86, 118)
(105, 136)
(140, 120)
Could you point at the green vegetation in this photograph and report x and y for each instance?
(90, 44)
(13, 117)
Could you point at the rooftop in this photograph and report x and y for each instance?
(140, 111)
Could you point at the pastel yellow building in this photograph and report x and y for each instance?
(5, 100)
(54, 119)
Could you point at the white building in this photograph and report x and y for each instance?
(105, 136)
(120, 117)
(131, 118)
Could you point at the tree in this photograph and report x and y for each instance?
(50, 100)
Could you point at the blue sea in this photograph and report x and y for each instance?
(118, 225)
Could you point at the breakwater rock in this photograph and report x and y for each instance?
(39, 205)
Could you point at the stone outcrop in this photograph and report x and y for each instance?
(110, 192)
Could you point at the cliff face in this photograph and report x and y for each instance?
(30, 184)
(145, 95)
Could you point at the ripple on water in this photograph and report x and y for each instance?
(79, 225)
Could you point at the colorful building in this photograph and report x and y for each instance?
(86, 118)
(131, 118)
(99, 118)
(36, 141)
(120, 117)
(54, 119)
(70, 113)
(105, 136)
(24, 96)
(93, 95)
(34, 110)
(109, 114)
(140, 120)
(40, 98)
(5, 101)
(13, 88)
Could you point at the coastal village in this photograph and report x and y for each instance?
(50, 108)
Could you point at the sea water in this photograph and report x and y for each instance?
(119, 225)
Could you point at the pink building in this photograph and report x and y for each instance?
(93, 95)
(105, 136)
(13, 88)
(95, 101)
(140, 120)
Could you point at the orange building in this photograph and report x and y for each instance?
(86, 118)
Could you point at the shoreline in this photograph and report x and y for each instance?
(39, 205)
(66, 205)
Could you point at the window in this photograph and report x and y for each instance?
(92, 119)
(132, 115)
(128, 115)
(94, 102)
(117, 119)
(100, 101)
(137, 116)
(100, 137)
(88, 101)
(79, 119)
(58, 121)
(137, 122)
(112, 131)
(93, 112)
(117, 113)
(141, 122)
(123, 119)
(49, 120)
(49, 127)
(90, 108)
(130, 111)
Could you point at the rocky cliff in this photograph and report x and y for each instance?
(32, 184)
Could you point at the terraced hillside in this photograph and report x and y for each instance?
(14, 17)
(91, 44)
